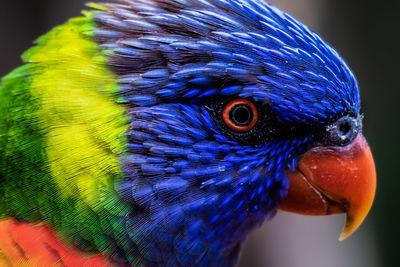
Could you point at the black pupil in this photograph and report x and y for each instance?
(241, 115)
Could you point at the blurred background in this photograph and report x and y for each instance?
(366, 33)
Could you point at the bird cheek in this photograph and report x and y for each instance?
(331, 180)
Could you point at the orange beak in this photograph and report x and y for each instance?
(331, 180)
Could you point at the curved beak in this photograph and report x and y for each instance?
(331, 180)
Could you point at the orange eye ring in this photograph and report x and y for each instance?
(240, 115)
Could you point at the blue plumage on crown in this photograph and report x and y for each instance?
(173, 51)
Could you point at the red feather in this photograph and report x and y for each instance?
(22, 244)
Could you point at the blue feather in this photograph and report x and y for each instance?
(197, 188)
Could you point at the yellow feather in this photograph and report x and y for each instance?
(78, 116)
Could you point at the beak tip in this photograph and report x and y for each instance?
(345, 234)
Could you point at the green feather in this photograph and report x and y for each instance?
(58, 149)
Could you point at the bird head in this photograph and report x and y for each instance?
(236, 109)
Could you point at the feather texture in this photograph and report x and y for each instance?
(112, 133)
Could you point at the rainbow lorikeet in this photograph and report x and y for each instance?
(161, 132)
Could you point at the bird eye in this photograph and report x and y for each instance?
(240, 115)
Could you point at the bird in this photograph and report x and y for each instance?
(162, 132)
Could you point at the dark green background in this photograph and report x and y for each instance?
(367, 33)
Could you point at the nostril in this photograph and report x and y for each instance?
(345, 127)
(341, 132)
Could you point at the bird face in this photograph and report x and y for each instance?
(230, 103)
